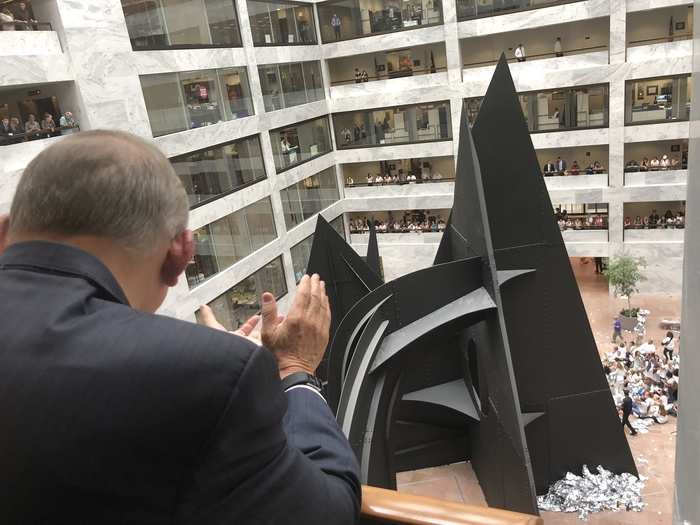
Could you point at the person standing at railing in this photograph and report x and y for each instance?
(520, 53)
(25, 16)
(335, 24)
(557, 48)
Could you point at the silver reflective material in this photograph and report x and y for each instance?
(603, 491)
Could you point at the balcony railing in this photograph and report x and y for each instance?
(22, 25)
(391, 76)
(16, 138)
(660, 40)
(540, 56)
(395, 508)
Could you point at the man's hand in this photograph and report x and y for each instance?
(248, 330)
(298, 341)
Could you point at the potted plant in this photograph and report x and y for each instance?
(624, 274)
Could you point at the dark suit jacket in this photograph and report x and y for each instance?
(110, 415)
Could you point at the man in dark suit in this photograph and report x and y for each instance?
(627, 405)
(560, 165)
(112, 414)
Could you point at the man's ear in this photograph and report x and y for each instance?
(4, 232)
(178, 257)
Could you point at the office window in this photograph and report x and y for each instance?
(296, 144)
(301, 251)
(163, 24)
(557, 109)
(194, 99)
(228, 240)
(286, 85)
(401, 125)
(345, 19)
(467, 9)
(657, 99)
(214, 172)
(281, 23)
(306, 198)
(234, 307)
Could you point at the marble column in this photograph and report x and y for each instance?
(687, 504)
(95, 37)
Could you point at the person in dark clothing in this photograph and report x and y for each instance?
(627, 405)
(598, 264)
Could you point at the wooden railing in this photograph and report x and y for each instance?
(381, 506)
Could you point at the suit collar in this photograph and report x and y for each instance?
(56, 258)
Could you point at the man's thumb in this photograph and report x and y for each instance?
(268, 312)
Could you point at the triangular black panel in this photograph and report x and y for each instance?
(544, 308)
(348, 279)
(373, 250)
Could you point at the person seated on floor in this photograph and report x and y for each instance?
(589, 169)
(578, 224)
(675, 163)
(645, 165)
(598, 167)
(638, 222)
(349, 181)
(654, 163)
(664, 163)
(574, 169)
(628, 222)
(370, 179)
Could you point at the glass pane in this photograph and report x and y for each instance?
(185, 23)
(203, 264)
(223, 24)
(237, 305)
(164, 103)
(281, 23)
(344, 19)
(313, 80)
(296, 144)
(261, 223)
(420, 123)
(293, 84)
(237, 92)
(144, 20)
(300, 256)
(271, 87)
(202, 99)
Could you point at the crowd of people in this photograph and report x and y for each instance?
(18, 16)
(400, 178)
(560, 167)
(361, 76)
(13, 131)
(657, 164)
(644, 382)
(410, 223)
(590, 221)
(654, 220)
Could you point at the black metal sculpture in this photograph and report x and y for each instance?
(486, 356)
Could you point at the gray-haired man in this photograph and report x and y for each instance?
(111, 414)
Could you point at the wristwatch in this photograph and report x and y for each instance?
(302, 378)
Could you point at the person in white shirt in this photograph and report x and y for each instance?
(669, 344)
(520, 53)
(557, 47)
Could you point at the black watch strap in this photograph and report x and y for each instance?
(302, 378)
